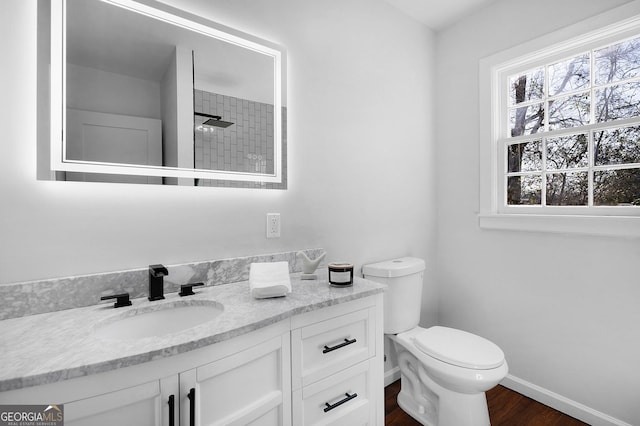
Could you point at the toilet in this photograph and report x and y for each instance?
(444, 372)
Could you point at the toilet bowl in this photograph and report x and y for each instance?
(442, 392)
(444, 372)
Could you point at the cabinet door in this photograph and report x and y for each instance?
(251, 387)
(144, 404)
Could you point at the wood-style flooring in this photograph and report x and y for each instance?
(506, 408)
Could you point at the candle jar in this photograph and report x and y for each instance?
(340, 274)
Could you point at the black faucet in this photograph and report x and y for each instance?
(156, 284)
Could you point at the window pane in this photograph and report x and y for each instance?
(567, 152)
(569, 75)
(618, 62)
(617, 146)
(524, 190)
(616, 187)
(525, 157)
(620, 101)
(526, 120)
(569, 111)
(528, 86)
(567, 189)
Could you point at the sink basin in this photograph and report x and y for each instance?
(158, 320)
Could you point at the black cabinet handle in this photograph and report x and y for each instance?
(341, 345)
(172, 410)
(348, 398)
(192, 406)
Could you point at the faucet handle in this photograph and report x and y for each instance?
(121, 299)
(187, 289)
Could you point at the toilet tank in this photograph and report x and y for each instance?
(403, 297)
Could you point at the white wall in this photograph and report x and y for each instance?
(563, 308)
(169, 98)
(360, 154)
(96, 90)
(177, 112)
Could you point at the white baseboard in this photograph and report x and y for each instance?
(391, 376)
(560, 403)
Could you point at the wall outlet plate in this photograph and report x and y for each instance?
(273, 225)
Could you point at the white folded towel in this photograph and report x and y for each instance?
(269, 279)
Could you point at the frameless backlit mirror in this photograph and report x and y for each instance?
(142, 92)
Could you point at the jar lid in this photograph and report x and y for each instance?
(340, 265)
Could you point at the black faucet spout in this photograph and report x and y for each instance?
(156, 282)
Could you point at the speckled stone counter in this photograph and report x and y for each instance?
(55, 346)
(49, 295)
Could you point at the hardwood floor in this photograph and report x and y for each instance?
(506, 408)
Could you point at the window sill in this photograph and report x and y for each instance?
(614, 226)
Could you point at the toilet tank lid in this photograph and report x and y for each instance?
(394, 267)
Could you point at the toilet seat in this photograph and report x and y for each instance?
(457, 347)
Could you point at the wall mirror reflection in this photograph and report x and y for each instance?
(145, 93)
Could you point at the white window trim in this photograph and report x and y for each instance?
(614, 24)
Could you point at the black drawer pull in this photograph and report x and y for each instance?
(348, 398)
(341, 345)
(172, 410)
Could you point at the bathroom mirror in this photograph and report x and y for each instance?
(143, 92)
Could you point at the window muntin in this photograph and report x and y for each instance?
(572, 135)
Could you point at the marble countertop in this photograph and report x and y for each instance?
(50, 347)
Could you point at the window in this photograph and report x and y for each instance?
(573, 130)
(561, 131)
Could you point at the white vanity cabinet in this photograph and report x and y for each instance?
(320, 367)
(337, 365)
(241, 381)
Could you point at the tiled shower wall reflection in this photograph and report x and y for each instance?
(246, 146)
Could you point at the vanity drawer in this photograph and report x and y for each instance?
(326, 347)
(345, 398)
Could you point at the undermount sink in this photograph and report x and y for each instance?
(158, 320)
